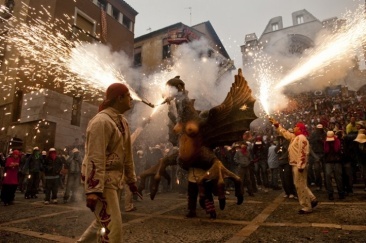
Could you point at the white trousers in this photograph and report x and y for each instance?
(304, 193)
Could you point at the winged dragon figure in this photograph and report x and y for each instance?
(198, 133)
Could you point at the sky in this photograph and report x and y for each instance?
(231, 19)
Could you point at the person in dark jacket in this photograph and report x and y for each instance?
(260, 154)
(285, 168)
(242, 159)
(22, 181)
(333, 165)
(361, 151)
(33, 166)
(317, 166)
(52, 168)
(73, 166)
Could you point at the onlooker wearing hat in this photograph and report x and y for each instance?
(298, 156)
(361, 152)
(333, 165)
(108, 163)
(10, 181)
(73, 166)
(242, 158)
(33, 165)
(52, 168)
(360, 125)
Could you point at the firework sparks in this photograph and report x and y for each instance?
(57, 59)
(334, 48)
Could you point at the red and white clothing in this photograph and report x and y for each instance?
(107, 164)
(299, 149)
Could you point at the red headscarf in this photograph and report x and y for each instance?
(302, 129)
(113, 91)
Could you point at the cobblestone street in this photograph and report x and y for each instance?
(267, 217)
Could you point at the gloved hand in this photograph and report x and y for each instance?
(91, 201)
(134, 190)
(274, 122)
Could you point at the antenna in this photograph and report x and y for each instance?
(190, 15)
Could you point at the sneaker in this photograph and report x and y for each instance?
(54, 201)
(285, 196)
(227, 192)
(46, 202)
(291, 196)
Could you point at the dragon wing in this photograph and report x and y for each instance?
(226, 123)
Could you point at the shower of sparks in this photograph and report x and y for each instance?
(50, 56)
(265, 72)
(343, 43)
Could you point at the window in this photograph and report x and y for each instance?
(84, 27)
(166, 51)
(300, 19)
(137, 57)
(126, 22)
(115, 13)
(274, 26)
(102, 4)
(76, 110)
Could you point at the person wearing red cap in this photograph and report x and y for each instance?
(107, 164)
(298, 158)
(10, 181)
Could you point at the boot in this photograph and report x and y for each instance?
(330, 196)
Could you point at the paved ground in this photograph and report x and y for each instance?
(267, 217)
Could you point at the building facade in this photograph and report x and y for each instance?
(35, 110)
(288, 42)
(155, 51)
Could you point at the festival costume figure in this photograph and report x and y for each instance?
(298, 158)
(107, 164)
